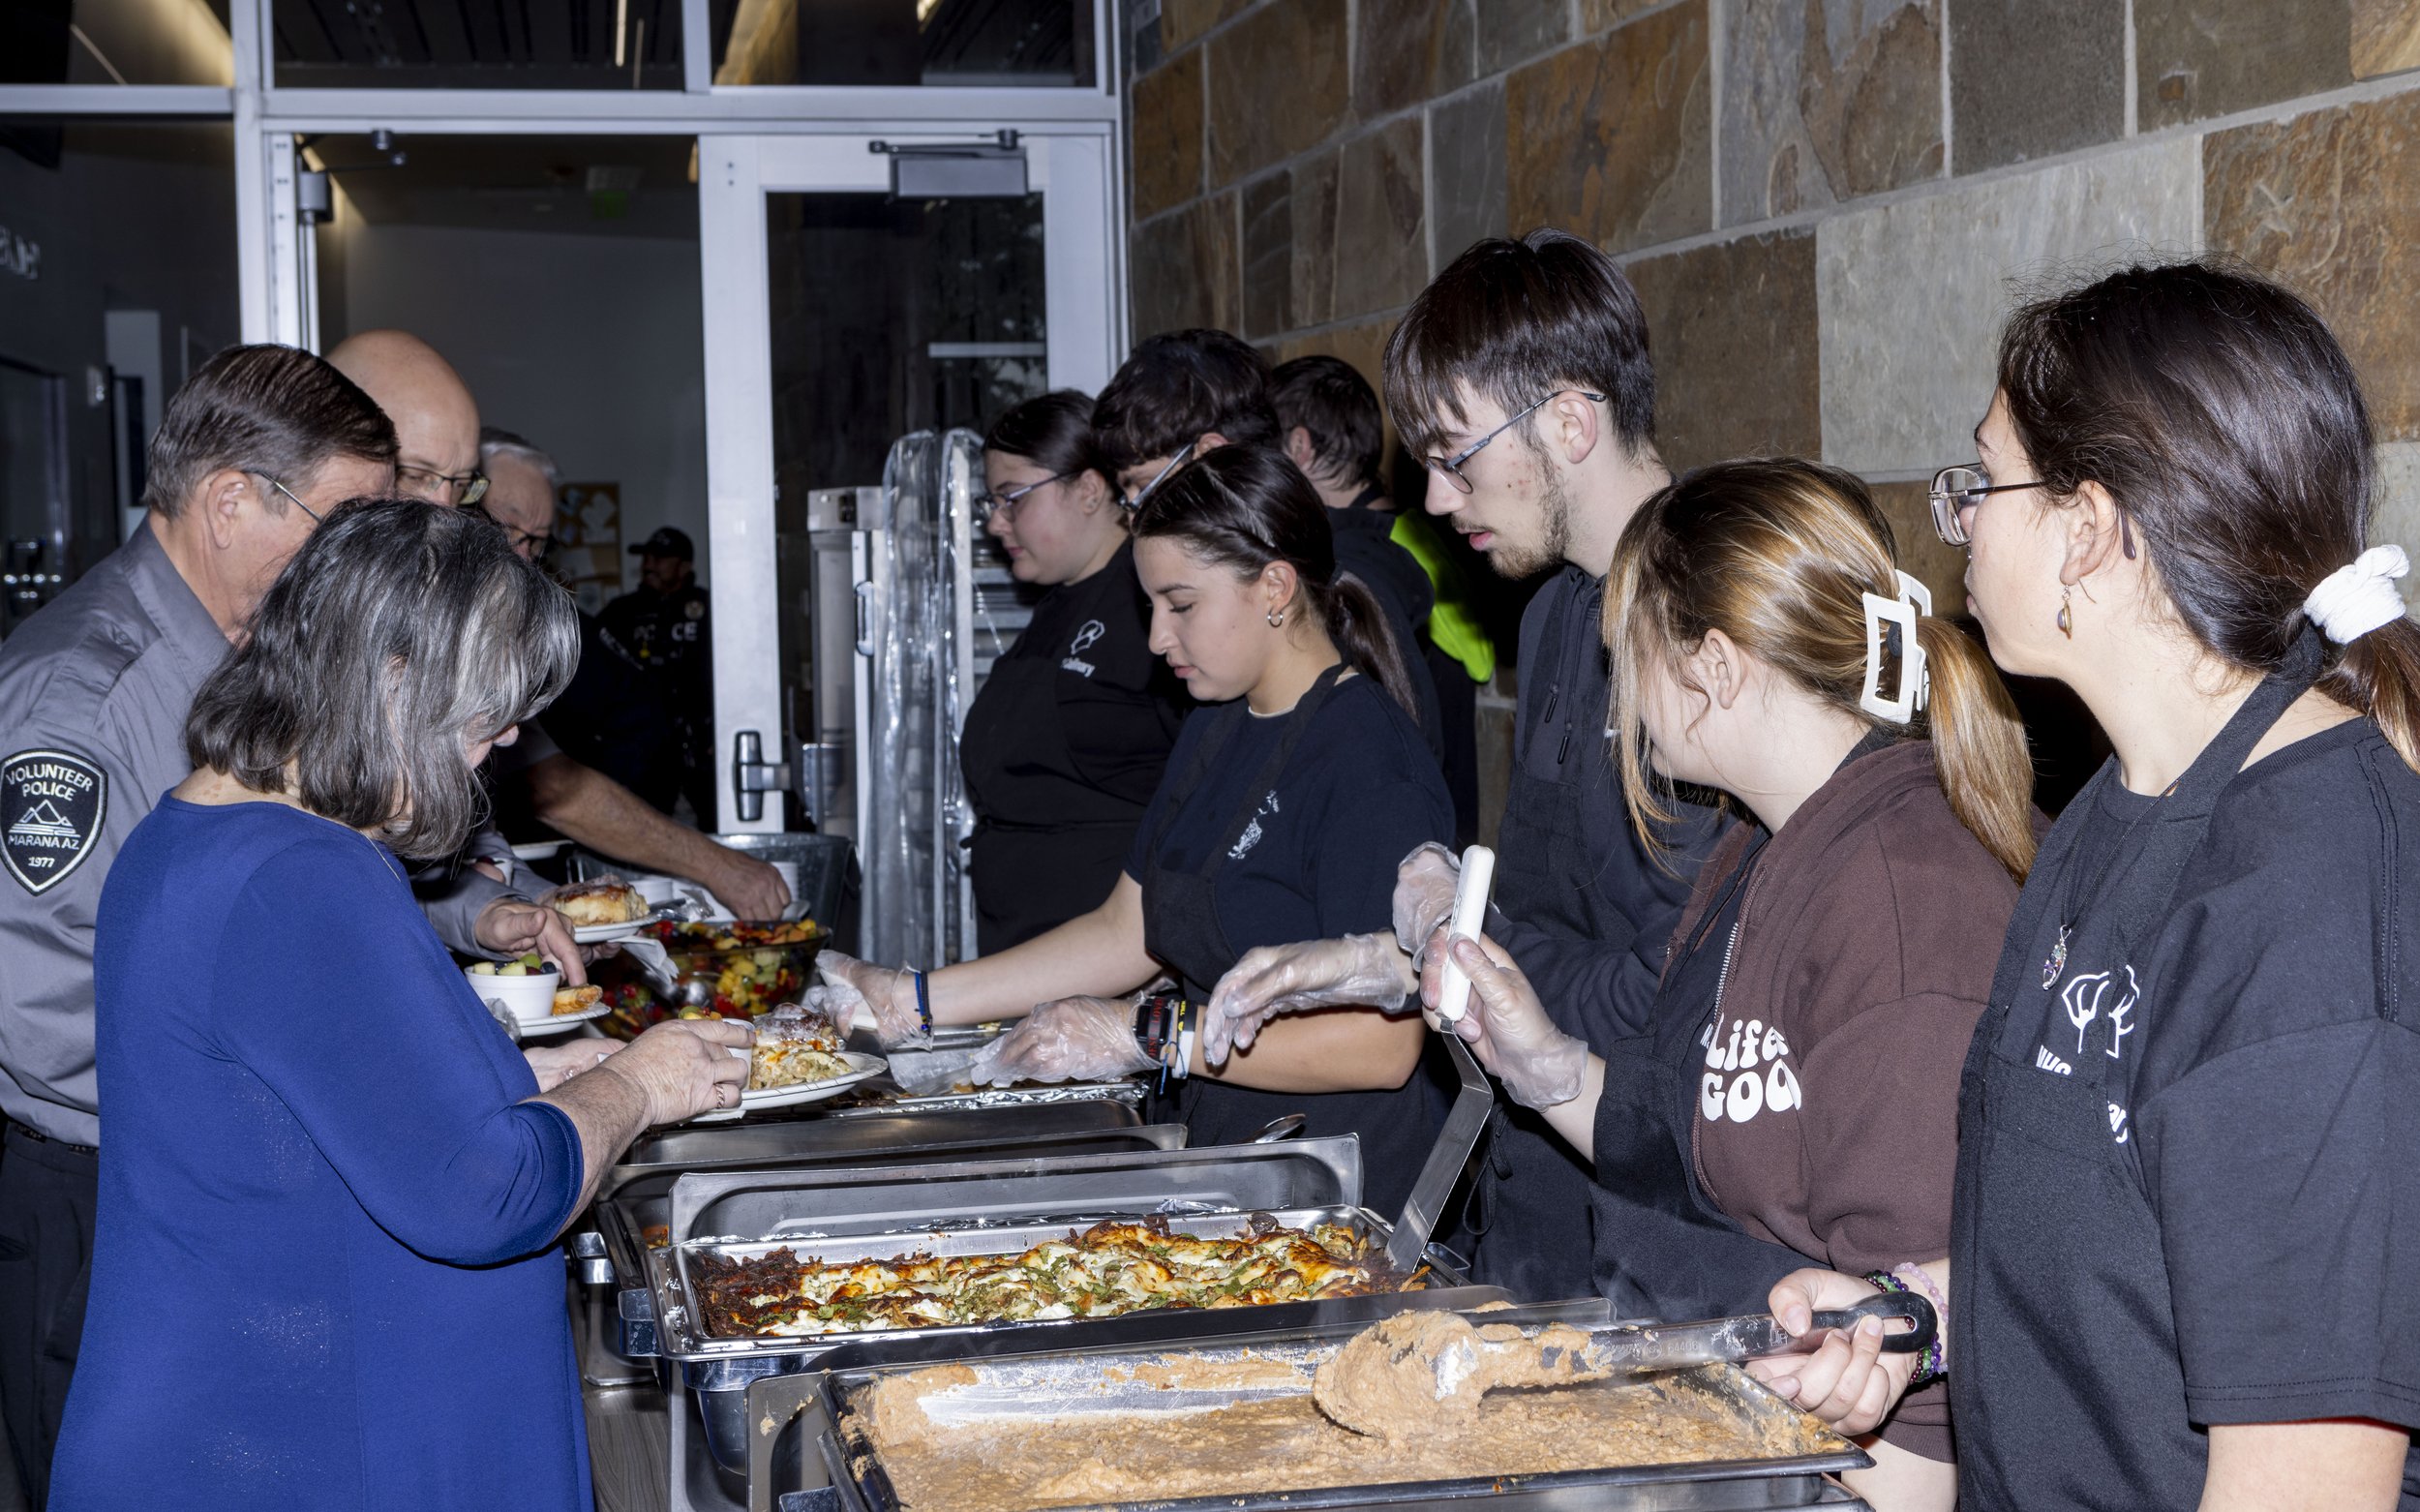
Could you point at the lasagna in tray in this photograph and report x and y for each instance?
(1113, 1267)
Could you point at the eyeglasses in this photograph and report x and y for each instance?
(469, 487)
(1450, 468)
(1956, 490)
(537, 543)
(290, 494)
(1134, 501)
(1001, 503)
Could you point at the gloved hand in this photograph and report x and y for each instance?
(1424, 898)
(1286, 979)
(1075, 1039)
(1507, 1029)
(888, 997)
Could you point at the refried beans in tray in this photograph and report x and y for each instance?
(1283, 1443)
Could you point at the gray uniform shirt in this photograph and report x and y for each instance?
(94, 691)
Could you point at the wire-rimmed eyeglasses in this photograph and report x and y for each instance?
(533, 544)
(1450, 468)
(1134, 501)
(1000, 503)
(1956, 490)
(290, 494)
(428, 483)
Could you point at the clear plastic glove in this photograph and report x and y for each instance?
(1287, 978)
(888, 997)
(1506, 1026)
(1075, 1039)
(1424, 898)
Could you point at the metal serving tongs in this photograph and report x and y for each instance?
(1416, 1370)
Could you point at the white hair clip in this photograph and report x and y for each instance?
(2360, 596)
(1915, 600)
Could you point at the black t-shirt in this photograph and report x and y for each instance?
(1318, 860)
(2258, 1056)
(1119, 708)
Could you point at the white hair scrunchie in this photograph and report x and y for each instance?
(2357, 598)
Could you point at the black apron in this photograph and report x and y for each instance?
(2047, 1208)
(1182, 932)
(1050, 843)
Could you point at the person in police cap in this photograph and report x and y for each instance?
(94, 690)
(664, 626)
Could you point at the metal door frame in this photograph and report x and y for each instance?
(1073, 165)
(752, 141)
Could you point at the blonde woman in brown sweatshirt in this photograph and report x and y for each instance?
(1797, 1099)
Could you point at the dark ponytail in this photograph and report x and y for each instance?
(2229, 427)
(1248, 506)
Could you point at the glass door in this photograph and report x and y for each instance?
(859, 288)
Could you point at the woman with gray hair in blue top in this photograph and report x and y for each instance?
(325, 1273)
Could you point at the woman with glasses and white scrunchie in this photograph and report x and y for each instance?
(2186, 1236)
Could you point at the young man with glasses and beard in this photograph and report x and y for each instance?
(1521, 378)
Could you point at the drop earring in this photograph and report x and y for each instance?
(2067, 616)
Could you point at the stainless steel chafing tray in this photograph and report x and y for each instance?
(974, 1208)
(1006, 1206)
(920, 1079)
(1098, 1381)
(637, 1193)
(654, 1162)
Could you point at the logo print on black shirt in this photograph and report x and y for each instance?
(1091, 631)
(2089, 997)
(52, 802)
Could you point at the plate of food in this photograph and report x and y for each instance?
(600, 911)
(527, 995)
(572, 1006)
(798, 1059)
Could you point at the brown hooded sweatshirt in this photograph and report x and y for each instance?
(1827, 1114)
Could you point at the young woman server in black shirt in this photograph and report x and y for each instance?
(2185, 1241)
(1291, 794)
(1064, 746)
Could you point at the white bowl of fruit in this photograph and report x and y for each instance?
(524, 987)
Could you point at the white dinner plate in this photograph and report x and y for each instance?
(862, 1067)
(598, 934)
(557, 1023)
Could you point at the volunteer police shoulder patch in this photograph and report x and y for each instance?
(51, 803)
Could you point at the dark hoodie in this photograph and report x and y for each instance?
(1863, 957)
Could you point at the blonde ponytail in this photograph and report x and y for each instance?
(1979, 745)
(1779, 555)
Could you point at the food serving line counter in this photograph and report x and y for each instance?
(689, 1416)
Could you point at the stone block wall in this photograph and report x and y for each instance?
(1827, 205)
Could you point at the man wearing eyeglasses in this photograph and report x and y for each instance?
(437, 425)
(1521, 378)
(1183, 393)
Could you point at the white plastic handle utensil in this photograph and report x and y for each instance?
(1470, 899)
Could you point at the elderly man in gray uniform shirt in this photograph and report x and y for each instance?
(94, 693)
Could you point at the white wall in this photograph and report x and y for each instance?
(590, 345)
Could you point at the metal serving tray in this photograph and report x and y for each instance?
(1005, 1206)
(979, 1207)
(1086, 1382)
(952, 1049)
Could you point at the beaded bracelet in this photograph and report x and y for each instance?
(1934, 1363)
